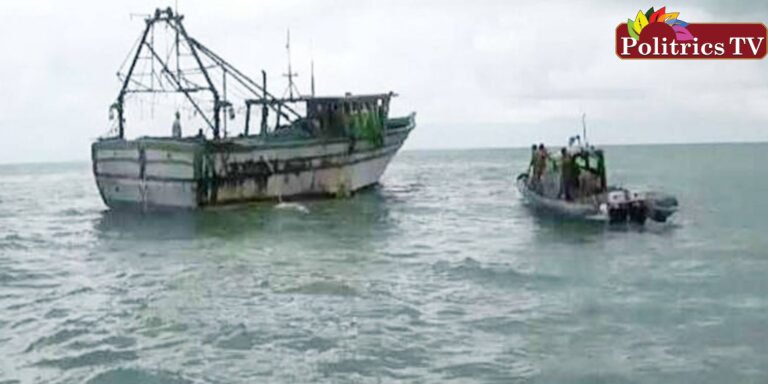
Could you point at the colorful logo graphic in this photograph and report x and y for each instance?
(635, 27)
(658, 34)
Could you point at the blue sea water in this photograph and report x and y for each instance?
(438, 275)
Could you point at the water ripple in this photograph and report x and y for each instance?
(438, 275)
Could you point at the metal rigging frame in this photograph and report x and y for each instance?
(182, 85)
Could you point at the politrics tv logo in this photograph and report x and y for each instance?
(661, 35)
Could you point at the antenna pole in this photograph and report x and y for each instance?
(584, 126)
(312, 68)
(290, 74)
(290, 69)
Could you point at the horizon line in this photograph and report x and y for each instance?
(515, 147)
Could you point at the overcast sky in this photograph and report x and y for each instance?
(478, 73)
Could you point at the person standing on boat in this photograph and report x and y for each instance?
(534, 157)
(540, 166)
(533, 166)
(176, 129)
(566, 177)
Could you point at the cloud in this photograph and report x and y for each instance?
(505, 73)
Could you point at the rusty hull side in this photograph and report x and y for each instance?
(242, 171)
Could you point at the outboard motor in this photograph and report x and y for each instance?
(617, 206)
(661, 206)
(638, 212)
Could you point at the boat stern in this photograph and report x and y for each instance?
(148, 173)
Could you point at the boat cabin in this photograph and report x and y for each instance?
(348, 115)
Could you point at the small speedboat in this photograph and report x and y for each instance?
(589, 197)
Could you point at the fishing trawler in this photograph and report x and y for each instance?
(304, 145)
(584, 193)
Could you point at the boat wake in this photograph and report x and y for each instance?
(292, 207)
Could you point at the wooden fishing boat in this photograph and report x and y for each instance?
(304, 145)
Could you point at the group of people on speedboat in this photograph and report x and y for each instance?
(576, 180)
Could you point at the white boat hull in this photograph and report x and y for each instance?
(190, 173)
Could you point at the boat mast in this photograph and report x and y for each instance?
(178, 54)
(118, 105)
(177, 79)
(185, 80)
(264, 110)
(204, 71)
